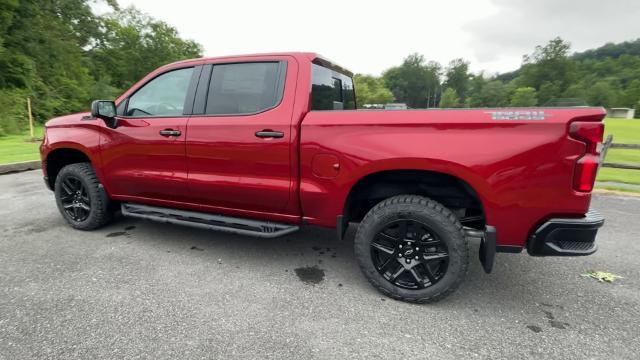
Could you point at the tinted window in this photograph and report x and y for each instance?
(245, 88)
(163, 96)
(331, 90)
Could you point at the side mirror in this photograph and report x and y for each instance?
(105, 110)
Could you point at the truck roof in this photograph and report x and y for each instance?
(309, 56)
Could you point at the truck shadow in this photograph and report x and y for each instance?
(316, 256)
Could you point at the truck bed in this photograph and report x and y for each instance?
(514, 159)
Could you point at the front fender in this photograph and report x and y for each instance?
(84, 138)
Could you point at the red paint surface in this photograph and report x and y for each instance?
(523, 170)
(230, 167)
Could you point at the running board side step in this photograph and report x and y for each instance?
(264, 229)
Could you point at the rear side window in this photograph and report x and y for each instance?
(245, 88)
(331, 90)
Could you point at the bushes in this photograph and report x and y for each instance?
(449, 99)
(13, 111)
(524, 97)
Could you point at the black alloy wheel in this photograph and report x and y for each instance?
(409, 254)
(75, 199)
(412, 248)
(81, 199)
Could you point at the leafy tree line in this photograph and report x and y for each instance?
(608, 76)
(62, 55)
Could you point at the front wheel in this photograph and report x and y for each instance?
(412, 248)
(81, 199)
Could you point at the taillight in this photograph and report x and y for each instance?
(590, 133)
(585, 173)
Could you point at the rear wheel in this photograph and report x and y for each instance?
(81, 198)
(412, 248)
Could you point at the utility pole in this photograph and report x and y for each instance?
(428, 97)
(435, 95)
(30, 118)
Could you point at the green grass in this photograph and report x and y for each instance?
(15, 148)
(619, 175)
(624, 132)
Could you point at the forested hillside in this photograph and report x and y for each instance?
(608, 76)
(62, 55)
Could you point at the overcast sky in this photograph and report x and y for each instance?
(368, 36)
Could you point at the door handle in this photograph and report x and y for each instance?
(269, 134)
(170, 132)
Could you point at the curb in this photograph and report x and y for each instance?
(20, 166)
(615, 192)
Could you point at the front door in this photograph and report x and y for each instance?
(144, 157)
(239, 146)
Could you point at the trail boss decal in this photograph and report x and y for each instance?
(517, 115)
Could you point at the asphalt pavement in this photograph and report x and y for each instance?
(138, 289)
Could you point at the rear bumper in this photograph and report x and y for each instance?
(566, 237)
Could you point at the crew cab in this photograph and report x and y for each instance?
(263, 144)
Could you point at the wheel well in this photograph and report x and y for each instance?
(60, 158)
(448, 190)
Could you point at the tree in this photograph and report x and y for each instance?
(415, 82)
(548, 91)
(62, 55)
(476, 85)
(13, 116)
(7, 9)
(449, 99)
(610, 50)
(371, 90)
(548, 66)
(457, 77)
(631, 95)
(44, 54)
(601, 94)
(576, 91)
(133, 44)
(524, 97)
(492, 93)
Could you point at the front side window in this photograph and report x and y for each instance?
(165, 95)
(245, 88)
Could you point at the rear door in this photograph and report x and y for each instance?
(239, 138)
(144, 157)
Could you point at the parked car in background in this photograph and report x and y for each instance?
(396, 106)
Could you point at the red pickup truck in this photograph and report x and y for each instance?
(263, 144)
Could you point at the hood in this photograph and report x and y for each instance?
(67, 119)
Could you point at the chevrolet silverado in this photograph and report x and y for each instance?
(263, 144)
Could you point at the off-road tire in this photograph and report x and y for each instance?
(440, 219)
(100, 212)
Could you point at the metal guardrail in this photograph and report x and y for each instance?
(625, 146)
(608, 144)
